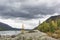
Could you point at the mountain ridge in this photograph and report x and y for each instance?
(51, 26)
(4, 27)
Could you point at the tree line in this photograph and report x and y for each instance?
(50, 26)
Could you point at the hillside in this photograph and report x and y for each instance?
(4, 27)
(51, 26)
(53, 18)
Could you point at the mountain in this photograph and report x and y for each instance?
(55, 18)
(52, 18)
(51, 26)
(4, 26)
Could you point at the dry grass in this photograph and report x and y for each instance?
(56, 34)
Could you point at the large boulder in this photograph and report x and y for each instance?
(34, 36)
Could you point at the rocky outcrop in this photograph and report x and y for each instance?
(37, 35)
(33, 36)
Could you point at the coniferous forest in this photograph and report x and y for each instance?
(51, 27)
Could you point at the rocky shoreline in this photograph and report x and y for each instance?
(29, 36)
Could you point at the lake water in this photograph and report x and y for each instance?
(9, 32)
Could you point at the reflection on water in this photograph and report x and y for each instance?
(9, 32)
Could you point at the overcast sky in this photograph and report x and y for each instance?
(27, 12)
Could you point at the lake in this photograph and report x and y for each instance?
(9, 32)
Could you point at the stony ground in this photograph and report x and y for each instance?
(34, 36)
(30, 36)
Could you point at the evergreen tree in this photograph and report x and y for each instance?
(44, 27)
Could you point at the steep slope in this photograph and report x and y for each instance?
(52, 18)
(51, 26)
(55, 18)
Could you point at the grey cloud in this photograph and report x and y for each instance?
(27, 12)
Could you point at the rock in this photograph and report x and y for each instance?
(35, 36)
(31, 36)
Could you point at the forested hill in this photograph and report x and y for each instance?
(53, 18)
(51, 26)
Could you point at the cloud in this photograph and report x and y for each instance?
(29, 12)
(28, 9)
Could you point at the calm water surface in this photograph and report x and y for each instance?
(9, 32)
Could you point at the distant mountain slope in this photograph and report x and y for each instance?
(4, 26)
